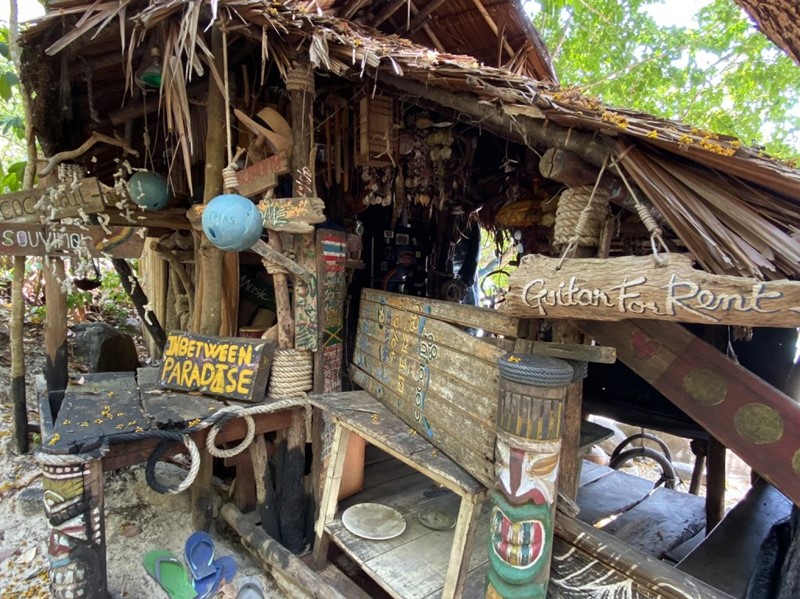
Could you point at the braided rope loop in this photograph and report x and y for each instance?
(229, 453)
(292, 373)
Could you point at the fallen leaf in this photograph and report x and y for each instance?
(27, 556)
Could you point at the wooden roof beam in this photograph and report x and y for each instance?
(423, 14)
(437, 43)
(388, 11)
(351, 8)
(493, 26)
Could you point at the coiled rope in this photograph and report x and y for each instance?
(292, 373)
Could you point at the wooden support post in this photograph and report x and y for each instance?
(55, 333)
(570, 467)
(330, 494)
(463, 540)
(715, 483)
(208, 295)
(18, 398)
(291, 574)
(74, 506)
(529, 427)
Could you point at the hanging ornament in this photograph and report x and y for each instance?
(148, 190)
(232, 222)
(151, 74)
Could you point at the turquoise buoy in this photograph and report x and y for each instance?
(232, 222)
(148, 190)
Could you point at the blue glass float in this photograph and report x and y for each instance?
(232, 222)
(148, 190)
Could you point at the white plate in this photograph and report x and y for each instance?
(374, 521)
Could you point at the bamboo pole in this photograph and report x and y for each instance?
(208, 294)
(16, 332)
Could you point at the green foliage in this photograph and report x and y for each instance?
(12, 125)
(720, 74)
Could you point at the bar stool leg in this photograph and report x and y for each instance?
(330, 493)
(463, 540)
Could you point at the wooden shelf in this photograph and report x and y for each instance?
(414, 564)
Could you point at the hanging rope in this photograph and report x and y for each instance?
(656, 235)
(580, 217)
(229, 453)
(229, 180)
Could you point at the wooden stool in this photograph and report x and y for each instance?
(358, 413)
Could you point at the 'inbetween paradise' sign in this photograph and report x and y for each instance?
(635, 287)
(222, 366)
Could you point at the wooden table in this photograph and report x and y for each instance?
(121, 411)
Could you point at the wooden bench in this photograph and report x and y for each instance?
(430, 394)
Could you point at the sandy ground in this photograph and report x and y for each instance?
(137, 519)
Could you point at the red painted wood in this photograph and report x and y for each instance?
(673, 360)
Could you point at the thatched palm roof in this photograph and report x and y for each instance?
(735, 209)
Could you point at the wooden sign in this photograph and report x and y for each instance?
(440, 380)
(222, 366)
(51, 203)
(58, 240)
(292, 215)
(331, 260)
(261, 176)
(635, 287)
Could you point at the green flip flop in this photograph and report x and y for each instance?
(170, 573)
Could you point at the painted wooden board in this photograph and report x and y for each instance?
(292, 215)
(52, 203)
(662, 521)
(611, 495)
(589, 563)
(97, 405)
(747, 415)
(634, 287)
(331, 260)
(441, 381)
(305, 295)
(492, 321)
(167, 407)
(261, 176)
(229, 367)
(59, 240)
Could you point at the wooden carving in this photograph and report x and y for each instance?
(636, 287)
(262, 175)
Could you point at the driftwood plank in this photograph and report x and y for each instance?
(492, 321)
(331, 259)
(662, 521)
(635, 287)
(591, 472)
(429, 328)
(589, 563)
(56, 240)
(104, 405)
(567, 351)
(52, 203)
(610, 495)
(171, 407)
(746, 414)
(482, 468)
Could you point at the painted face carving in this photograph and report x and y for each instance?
(526, 475)
(519, 538)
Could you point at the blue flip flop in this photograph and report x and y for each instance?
(199, 552)
(224, 571)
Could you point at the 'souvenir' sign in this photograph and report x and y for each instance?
(222, 366)
(636, 287)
